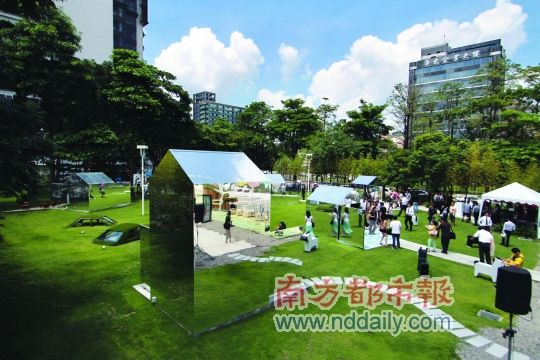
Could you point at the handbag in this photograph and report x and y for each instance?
(389, 231)
(452, 235)
(312, 223)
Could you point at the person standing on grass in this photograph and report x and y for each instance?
(432, 235)
(466, 209)
(309, 223)
(395, 225)
(431, 212)
(404, 203)
(508, 228)
(452, 213)
(476, 213)
(382, 228)
(409, 213)
(485, 242)
(347, 231)
(445, 231)
(486, 222)
(227, 226)
(334, 222)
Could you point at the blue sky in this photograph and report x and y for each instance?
(344, 50)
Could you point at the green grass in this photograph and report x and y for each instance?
(288, 209)
(64, 297)
(530, 248)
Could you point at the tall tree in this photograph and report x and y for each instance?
(252, 134)
(293, 125)
(403, 104)
(327, 114)
(450, 98)
(145, 106)
(367, 129)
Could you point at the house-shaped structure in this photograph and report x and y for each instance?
(167, 249)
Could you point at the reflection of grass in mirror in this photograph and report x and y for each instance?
(114, 195)
(288, 209)
(59, 290)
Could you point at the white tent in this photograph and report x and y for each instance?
(515, 193)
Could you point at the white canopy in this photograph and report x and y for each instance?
(514, 192)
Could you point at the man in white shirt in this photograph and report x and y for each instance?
(485, 241)
(508, 228)
(395, 225)
(409, 213)
(485, 221)
(404, 203)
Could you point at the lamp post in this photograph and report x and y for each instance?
(308, 160)
(142, 149)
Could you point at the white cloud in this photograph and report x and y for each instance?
(274, 98)
(202, 62)
(373, 66)
(290, 59)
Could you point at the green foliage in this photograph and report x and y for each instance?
(252, 135)
(293, 125)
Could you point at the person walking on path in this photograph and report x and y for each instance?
(227, 226)
(395, 225)
(485, 242)
(508, 228)
(446, 232)
(334, 222)
(409, 213)
(347, 231)
(383, 226)
(432, 235)
(309, 223)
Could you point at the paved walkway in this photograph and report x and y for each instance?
(455, 257)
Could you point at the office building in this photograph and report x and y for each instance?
(207, 110)
(442, 64)
(105, 25)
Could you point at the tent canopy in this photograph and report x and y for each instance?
(217, 167)
(330, 194)
(514, 192)
(94, 178)
(275, 178)
(364, 180)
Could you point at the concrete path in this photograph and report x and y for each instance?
(455, 257)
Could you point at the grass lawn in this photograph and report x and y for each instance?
(64, 297)
(530, 248)
(288, 209)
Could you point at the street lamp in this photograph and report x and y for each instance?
(308, 160)
(142, 149)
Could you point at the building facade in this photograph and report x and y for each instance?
(441, 64)
(207, 110)
(105, 25)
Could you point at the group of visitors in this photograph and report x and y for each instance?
(345, 222)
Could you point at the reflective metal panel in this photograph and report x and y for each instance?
(106, 196)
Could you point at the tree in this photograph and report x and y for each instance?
(403, 104)
(145, 106)
(488, 97)
(293, 125)
(22, 145)
(327, 114)
(367, 129)
(450, 97)
(220, 135)
(431, 160)
(252, 134)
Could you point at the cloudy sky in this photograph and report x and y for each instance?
(343, 50)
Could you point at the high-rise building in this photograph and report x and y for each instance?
(207, 110)
(105, 25)
(442, 64)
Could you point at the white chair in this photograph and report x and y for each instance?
(489, 270)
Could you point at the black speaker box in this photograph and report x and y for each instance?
(514, 288)
(199, 213)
